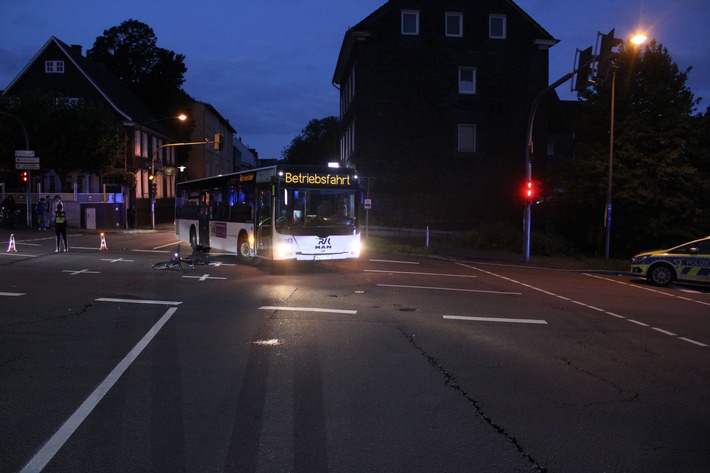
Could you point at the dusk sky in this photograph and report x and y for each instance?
(267, 65)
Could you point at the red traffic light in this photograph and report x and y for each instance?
(531, 191)
(24, 176)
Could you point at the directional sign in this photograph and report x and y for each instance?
(21, 160)
(27, 166)
(24, 153)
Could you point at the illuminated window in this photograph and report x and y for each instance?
(467, 138)
(497, 26)
(467, 80)
(410, 22)
(454, 24)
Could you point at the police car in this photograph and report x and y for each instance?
(689, 262)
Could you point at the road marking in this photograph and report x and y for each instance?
(392, 261)
(57, 441)
(24, 255)
(74, 272)
(593, 307)
(496, 319)
(204, 277)
(308, 309)
(12, 294)
(137, 301)
(451, 289)
(118, 260)
(175, 243)
(420, 274)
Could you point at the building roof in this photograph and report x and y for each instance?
(361, 31)
(116, 94)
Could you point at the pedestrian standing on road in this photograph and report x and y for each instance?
(60, 227)
(53, 207)
(41, 210)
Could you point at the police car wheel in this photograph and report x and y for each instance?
(661, 274)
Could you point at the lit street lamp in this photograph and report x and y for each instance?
(637, 39)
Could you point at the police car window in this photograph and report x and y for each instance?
(704, 247)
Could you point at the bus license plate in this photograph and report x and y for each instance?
(323, 257)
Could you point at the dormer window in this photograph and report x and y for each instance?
(54, 67)
(410, 22)
(497, 26)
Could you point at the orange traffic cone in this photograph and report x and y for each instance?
(11, 246)
(103, 243)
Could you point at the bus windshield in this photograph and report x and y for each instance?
(302, 211)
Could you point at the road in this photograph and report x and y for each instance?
(386, 364)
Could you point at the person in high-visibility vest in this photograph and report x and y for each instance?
(60, 227)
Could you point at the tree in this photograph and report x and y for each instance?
(68, 136)
(657, 185)
(317, 143)
(154, 74)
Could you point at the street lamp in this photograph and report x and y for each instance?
(637, 40)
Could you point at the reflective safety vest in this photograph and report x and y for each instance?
(61, 217)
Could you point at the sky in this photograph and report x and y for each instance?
(267, 65)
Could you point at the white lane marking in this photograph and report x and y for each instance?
(137, 301)
(451, 289)
(593, 307)
(204, 277)
(496, 319)
(308, 309)
(12, 294)
(74, 272)
(392, 261)
(57, 441)
(24, 255)
(151, 251)
(117, 260)
(175, 243)
(420, 274)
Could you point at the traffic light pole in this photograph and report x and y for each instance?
(527, 215)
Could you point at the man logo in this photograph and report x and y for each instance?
(324, 244)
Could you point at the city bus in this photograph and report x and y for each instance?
(281, 212)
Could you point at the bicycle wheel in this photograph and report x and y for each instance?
(162, 265)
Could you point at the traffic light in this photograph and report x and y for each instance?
(24, 176)
(584, 70)
(531, 192)
(218, 141)
(606, 55)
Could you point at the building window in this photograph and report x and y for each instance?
(497, 26)
(54, 67)
(454, 24)
(410, 22)
(467, 80)
(467, 138)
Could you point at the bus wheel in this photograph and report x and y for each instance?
(244, 255)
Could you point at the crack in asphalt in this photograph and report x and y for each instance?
(450, 380)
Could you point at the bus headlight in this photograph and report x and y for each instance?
(284, 250)
(355, 248)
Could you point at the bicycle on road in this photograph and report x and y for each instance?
(177, 261)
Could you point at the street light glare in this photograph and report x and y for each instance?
(639, 38)
(182, 117)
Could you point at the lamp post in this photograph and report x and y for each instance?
(638, 39)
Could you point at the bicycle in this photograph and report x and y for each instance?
(177, 261)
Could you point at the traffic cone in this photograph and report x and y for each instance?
(11, 246)
(103, 243)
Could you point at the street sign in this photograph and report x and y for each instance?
(32, 160)
(24, 153)
(28, 166)
(368, 203)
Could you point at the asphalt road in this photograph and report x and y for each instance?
(386, 364)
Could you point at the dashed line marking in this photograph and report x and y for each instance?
(308, 309)
(496, 319)
(666, 332)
